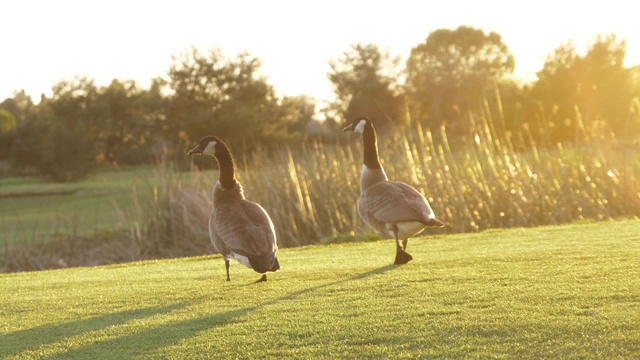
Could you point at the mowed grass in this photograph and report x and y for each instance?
(32, 209)
(569, 291)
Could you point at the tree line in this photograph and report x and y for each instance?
(451, 81)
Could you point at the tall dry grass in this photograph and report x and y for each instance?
(475, 181)
(485, 183)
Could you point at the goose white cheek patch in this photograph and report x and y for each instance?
(210, 149)
(360, 127)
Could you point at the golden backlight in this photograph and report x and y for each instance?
(53, 41)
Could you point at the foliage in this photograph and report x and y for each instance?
(566, 292)
(130, 118)
(120, 119)
(59, 142)
(448, 74)
(122, 124)
(13, 112)
(451, 79)
(52, 151)
(297, 112)
(587, 96)
(365, 81)
(30, 142)
(214, 94)
(7, 121)
(20, 106)
(72, 156)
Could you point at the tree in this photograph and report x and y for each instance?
(365, 81)
(72, 102)
(19, 105)
(7, 124)
(7, 121)
(450, 72)
(58, 141)
(213, 94)
(120, 110)
(29, 142)
(586, 96)
(297, 113)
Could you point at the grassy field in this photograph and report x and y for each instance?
(570, 291)
(32, 209)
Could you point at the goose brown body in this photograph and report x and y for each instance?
(389, 207)
(394, 203)
(239, 229)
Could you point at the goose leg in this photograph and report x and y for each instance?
(262, 279)
(226, 265)
(404, 244)
(395, 234)
(402, 257)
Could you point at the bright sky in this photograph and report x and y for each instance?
(44, 41)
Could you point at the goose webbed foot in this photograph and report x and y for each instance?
(402, 257)
(263, 278)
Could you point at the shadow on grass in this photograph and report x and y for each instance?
(30, 339)
(146, 342)
(294, 295)
(149, 341)
(377, 271)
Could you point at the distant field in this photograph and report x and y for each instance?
(565, 292)
(32, 209)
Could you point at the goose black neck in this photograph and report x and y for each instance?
(370, 147)
(225, 161)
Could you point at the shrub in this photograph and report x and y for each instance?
(52, 151)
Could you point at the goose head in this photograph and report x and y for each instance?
(206, 146)
(358, 125)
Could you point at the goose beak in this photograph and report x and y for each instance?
(349, 127)
(195, 151)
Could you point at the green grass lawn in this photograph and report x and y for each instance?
(31, 209)
(550, 292)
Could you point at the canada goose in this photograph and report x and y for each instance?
(239, 229)
(389, 207)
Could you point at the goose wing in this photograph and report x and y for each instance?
(246, 229)
(393, 202)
